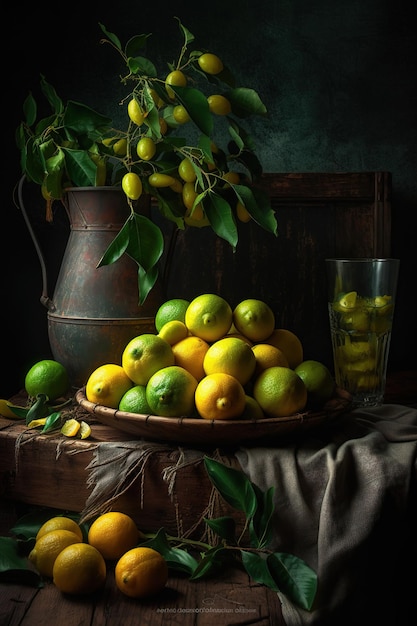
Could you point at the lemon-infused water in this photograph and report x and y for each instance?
(361, 309)
(361, 334)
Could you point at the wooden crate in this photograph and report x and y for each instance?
(319, 215)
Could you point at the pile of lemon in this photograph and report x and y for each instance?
(211, 361)
(77, 561)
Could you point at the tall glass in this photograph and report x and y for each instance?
(361, 297)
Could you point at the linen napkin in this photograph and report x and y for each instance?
(346, 503)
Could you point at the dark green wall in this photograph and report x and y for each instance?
(338, 79)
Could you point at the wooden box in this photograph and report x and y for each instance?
(319, 215)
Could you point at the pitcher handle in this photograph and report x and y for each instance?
(45, 300)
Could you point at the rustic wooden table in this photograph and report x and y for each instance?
(44, 473)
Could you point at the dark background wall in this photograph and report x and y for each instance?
(338, 79)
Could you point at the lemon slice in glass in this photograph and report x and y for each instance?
(348, 300)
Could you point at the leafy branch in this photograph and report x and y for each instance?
(279, 571)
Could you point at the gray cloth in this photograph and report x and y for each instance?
(346, 500)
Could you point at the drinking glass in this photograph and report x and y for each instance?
(361, 298)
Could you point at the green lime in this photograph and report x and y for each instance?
(318, 380)
(134, 401)
(47, 377)
(173, 309)
(170, 392)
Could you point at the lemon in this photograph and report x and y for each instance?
(289, 343)
(173, 331)
(173, 309)
(134, 401)
(6, 409)
(254, 319)
(268, 356)
(220, 396)
(170, 392)
(144, 355)
(141, 572)
(252, 410)
(85, 430)
(348, 300)
(189, 353)
(107, 384)
(280, 392)
(209, 316)
(79, 569)
(318, 380)
(70, 427)
(113, 534)
(233, 356)
(48, 547)
(47, 377)
(60, 522)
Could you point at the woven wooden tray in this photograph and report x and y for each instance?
(203, 432)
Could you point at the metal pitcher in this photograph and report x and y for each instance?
(94, 312)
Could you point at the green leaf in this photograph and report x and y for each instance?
(80, 168)
(38, 409)
(257, 203)
(146, 280)
(234, 486)
(212, 561)
(197, 107)
(260, 526)
(30, 109)
(245, 102)
(135, 45)
(51, 95)
(146, 241)
(188, 36)
(113, 38)
(294, 577)
(82, 119)
(177, 559)
(15, 568)
(142, 66)
(53, 421)
(220, 215)
(224, 527)
(116, 247)
(256, 565)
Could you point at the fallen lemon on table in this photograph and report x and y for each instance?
(141, 572)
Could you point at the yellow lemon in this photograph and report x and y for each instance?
(70, 427)
(60, 522)
(268, 356)
(233, 356)
(254, 319)
(107, 384)
(209, 316)
(173, 331)
(141, 572)
(173, 309)
(318, 380)
(280, 392)
(220, 396)
(113, 534)
(134, 401)
(144, 355)
(289, 343)
(47, 548)
(170, 392)
(79, 569)
(189, 353)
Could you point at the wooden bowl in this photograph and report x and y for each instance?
(202, 432)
